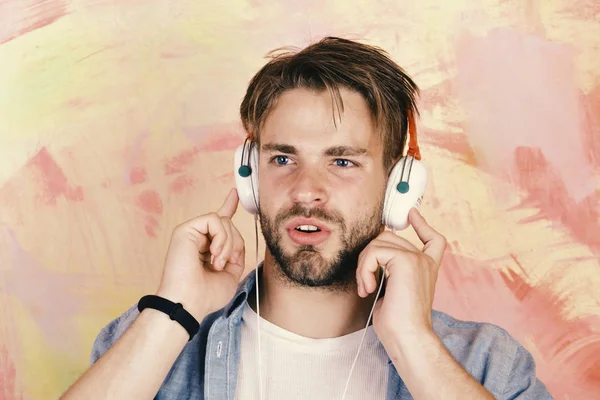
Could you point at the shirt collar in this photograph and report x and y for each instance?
(235, 306)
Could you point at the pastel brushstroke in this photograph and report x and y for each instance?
(22, 17)
(52, 179)
(8, 374)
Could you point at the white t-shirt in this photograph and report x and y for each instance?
(295, 367)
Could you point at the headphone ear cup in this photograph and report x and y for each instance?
(245, 171)
(405, 189)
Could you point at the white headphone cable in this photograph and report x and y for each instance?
(364, 333)
(260, 380)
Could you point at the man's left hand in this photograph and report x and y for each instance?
(403, 316)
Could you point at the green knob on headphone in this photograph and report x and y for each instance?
(402, 187)
(244, 171)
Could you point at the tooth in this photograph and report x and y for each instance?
(310, 228)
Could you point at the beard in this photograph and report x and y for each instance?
(306, 266)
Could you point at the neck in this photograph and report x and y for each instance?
(309, 312)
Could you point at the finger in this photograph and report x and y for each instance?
(204, 229)
(205, 257)
(392, 239)
(230, 204)
(237, 261)
(239, 247)
(434, 242)
(369, 262)
(235, 241)
(223, 258)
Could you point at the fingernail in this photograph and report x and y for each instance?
(220, 262)
(217, 251)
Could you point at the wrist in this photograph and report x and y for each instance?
(407, 347)
(162, 326)
(198, 309)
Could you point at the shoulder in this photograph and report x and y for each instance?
(491, 355)
(460, 332)
(476, 344)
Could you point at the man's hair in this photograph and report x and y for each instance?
(330, 64)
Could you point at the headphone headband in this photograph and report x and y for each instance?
(413, 145)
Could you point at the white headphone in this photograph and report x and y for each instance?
(405, 189)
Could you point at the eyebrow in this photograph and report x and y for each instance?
(280, 148)
(344, 151)
(336, 151)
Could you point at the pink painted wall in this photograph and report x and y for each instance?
(118, 121)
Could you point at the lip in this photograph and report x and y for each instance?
(307, 239)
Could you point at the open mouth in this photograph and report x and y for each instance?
(308, 235)
(307, 229)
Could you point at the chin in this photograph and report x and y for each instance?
(312, 267)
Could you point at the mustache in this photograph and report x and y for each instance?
(297, 210)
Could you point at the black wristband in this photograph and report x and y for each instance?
(175, 311)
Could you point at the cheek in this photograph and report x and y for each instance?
(359, 193)
(271, 194)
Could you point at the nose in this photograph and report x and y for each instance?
(309, 187)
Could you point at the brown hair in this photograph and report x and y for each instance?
(328, 65)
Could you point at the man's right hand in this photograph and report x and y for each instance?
(135, 366)
(205, 261)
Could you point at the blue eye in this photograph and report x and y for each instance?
(340, 162)
(281, 160)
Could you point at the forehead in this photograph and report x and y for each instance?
(305, 119)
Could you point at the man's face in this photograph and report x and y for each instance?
(321, 188)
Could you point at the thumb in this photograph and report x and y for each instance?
(230, 204)
(433, 241)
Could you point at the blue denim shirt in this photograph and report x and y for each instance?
(207, 367)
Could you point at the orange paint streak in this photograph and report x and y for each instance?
(547, 191)
(53, 179)
(456, 144)
(569, 358)
(443, 95)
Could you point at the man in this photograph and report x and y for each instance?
(329, 122)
